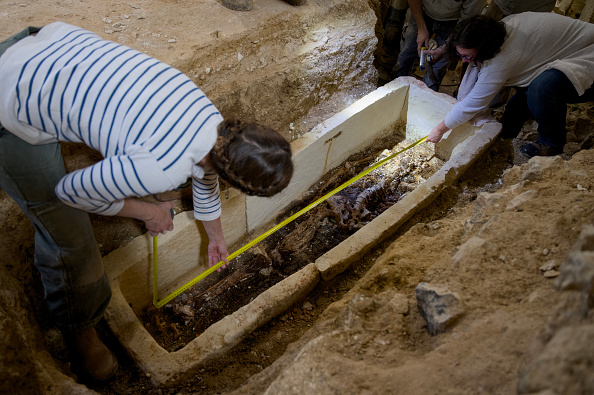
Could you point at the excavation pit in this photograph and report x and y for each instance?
(300, 241)
(401, 105)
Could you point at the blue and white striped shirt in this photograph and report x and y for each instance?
(150, 122)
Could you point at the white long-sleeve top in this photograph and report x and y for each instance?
(536, 42)
(150, 122)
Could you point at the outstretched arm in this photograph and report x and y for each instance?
(437, 132)
(217, 247)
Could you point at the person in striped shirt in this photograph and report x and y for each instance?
(155, 130)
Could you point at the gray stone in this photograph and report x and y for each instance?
(439, 306)
(549, 265)
(551, 274)
(517, 202)
(578, 272)
(585, 241)
(465, 255)
(565, 364)
(537, 165)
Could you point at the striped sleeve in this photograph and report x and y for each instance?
(101, 188)
(206, 196)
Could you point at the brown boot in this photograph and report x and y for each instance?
(238, 5)
(92, 357)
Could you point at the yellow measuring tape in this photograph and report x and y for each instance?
(162, 302)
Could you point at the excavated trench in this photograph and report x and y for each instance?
(216, 314)
(297, 244)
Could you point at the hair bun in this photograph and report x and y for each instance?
(252, 158)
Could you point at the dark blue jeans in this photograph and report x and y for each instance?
(408, 53)
(545, 100)
(66, 253)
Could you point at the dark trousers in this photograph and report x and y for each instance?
(408, 53)
(66, 254)
(545, 100)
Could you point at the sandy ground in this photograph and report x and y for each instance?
(362, 332)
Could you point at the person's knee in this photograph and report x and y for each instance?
(537, 90)
(540, 95)
(551, 85)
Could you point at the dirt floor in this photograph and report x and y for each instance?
(362, 332)
(515, 300)
(508, 305)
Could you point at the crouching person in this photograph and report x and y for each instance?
(155, 130)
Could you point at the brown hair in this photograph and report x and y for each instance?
(479, 32)
(252, 158)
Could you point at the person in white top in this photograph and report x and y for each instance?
(549, 58)
(155, 130)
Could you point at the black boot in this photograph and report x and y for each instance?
(531, 150)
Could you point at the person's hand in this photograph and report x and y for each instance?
(422, 39)
(437, 133)
(436, 53)
(217, 248)
(217, 251)
(161, 219)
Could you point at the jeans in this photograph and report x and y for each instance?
(408, 53)
(66, 254)
(19, 36)
(545, 100)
